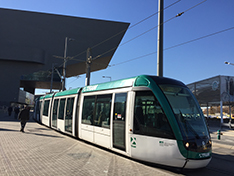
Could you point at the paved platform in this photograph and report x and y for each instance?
(43, 151)
(227, 137)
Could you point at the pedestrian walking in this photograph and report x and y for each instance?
(230, 123)
(24, 117)
(9, 110)
(16, 110)
(5, 109)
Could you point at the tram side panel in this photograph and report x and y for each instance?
(151, 137)
(94, 119)
(63, 115)
(36, 115)
(85, 127)
(45, 112)
(102, 118)
(135, 128)
(136, 121)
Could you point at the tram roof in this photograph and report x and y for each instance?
(68, 92)
(47, 96)
(142, 80)
(110, 85)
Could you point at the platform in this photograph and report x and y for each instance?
(43, 151)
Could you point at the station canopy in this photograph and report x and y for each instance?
(213, 91)
(37, 41)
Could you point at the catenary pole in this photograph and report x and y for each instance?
(64, 65)
(160, 39)
(52, 78)
(88, 64)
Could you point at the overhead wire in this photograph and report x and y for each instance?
(179, 14)
(199, 38)
(152, 28)
(72, 58)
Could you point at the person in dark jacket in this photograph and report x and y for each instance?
(9, 110)
(24, 117)
(16, 110)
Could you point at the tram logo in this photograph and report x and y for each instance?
(165, 144)
(133, 142)
(90, 88)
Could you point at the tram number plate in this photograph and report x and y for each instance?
(204, 155)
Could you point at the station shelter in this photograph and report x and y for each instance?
(216, 92)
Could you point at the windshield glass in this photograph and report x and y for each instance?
(188, 114)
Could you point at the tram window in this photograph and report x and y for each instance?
(37, 108)
(120, 107)
(40, 107)
(96, 110)
(61, 109)
(69, 108)
(119, 117)
(102, 112)
(68, 117)
(88, 107)
(54, 115)
(46, 107)
(149, 118)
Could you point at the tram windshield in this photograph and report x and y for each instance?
(187, 112)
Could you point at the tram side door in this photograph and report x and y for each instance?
(119, 116)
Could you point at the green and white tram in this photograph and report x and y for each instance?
(149, 118)
(45, 109)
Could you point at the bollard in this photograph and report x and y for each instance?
(219, 134)
(230, 123)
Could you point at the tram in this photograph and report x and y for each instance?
(148, 118)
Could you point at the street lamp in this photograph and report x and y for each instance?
(228, 63)
(107, 77)
(65, 62)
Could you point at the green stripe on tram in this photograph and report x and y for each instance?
(68, 92)
(110, 85)
(46, 96)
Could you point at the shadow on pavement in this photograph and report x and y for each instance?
(4, 129)
(44, 135)
(29, 131)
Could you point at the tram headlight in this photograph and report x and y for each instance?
(189, 145)
(198, 145)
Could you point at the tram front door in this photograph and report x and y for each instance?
(119, 121)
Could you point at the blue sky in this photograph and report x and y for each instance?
(188, 63)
